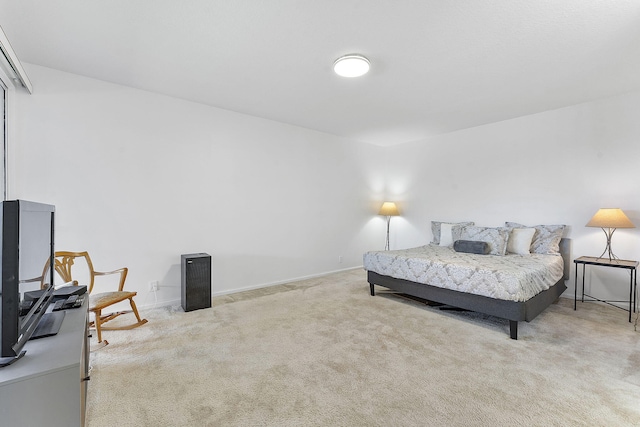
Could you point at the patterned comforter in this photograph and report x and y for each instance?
(509, 277)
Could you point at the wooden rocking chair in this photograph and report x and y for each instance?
(64, 262)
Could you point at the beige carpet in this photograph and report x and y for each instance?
(324, 353)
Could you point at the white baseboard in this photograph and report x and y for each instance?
(178, 302)
(282, 282)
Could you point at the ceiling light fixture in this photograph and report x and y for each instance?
(352, 65)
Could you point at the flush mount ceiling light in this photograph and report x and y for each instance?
(352, 65)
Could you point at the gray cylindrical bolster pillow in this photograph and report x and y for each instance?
(471, 247)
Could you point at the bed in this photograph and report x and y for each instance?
(515, 284)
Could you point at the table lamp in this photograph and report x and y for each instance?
(609, 219)
(388, 209)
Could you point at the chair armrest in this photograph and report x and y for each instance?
(35, 279)
(123, 275)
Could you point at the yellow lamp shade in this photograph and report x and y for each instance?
(389, 209)
(610, 218)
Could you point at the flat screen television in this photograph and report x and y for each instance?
(26, 264)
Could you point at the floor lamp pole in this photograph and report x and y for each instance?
(388, 209)
(386, 245)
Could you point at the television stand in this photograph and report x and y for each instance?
(48, 385)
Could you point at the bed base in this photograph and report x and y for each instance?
(513, 311)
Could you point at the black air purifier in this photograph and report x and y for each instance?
(196, 281)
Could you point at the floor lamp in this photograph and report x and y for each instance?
(609, 219)
(388, 209)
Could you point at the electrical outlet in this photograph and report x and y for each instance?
(340, 259)
(153, 286)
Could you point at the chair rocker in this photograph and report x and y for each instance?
(64, 261)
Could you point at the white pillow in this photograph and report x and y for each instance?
(547, 237)
(446, 237)
(520, 241)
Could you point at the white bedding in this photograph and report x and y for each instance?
(509, 277)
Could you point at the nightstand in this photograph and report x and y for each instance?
(605, 262)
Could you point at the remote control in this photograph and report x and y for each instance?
(68, 303)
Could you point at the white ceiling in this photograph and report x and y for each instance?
(437, 65)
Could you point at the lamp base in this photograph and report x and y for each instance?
(611, 257)
(607, 250)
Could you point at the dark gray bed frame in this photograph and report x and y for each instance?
(513, 311)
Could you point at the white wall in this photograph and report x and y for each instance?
(556, 167)
(139, 178)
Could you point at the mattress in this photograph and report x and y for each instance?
(508, 277)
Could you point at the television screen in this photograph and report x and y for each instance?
(26, 265)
